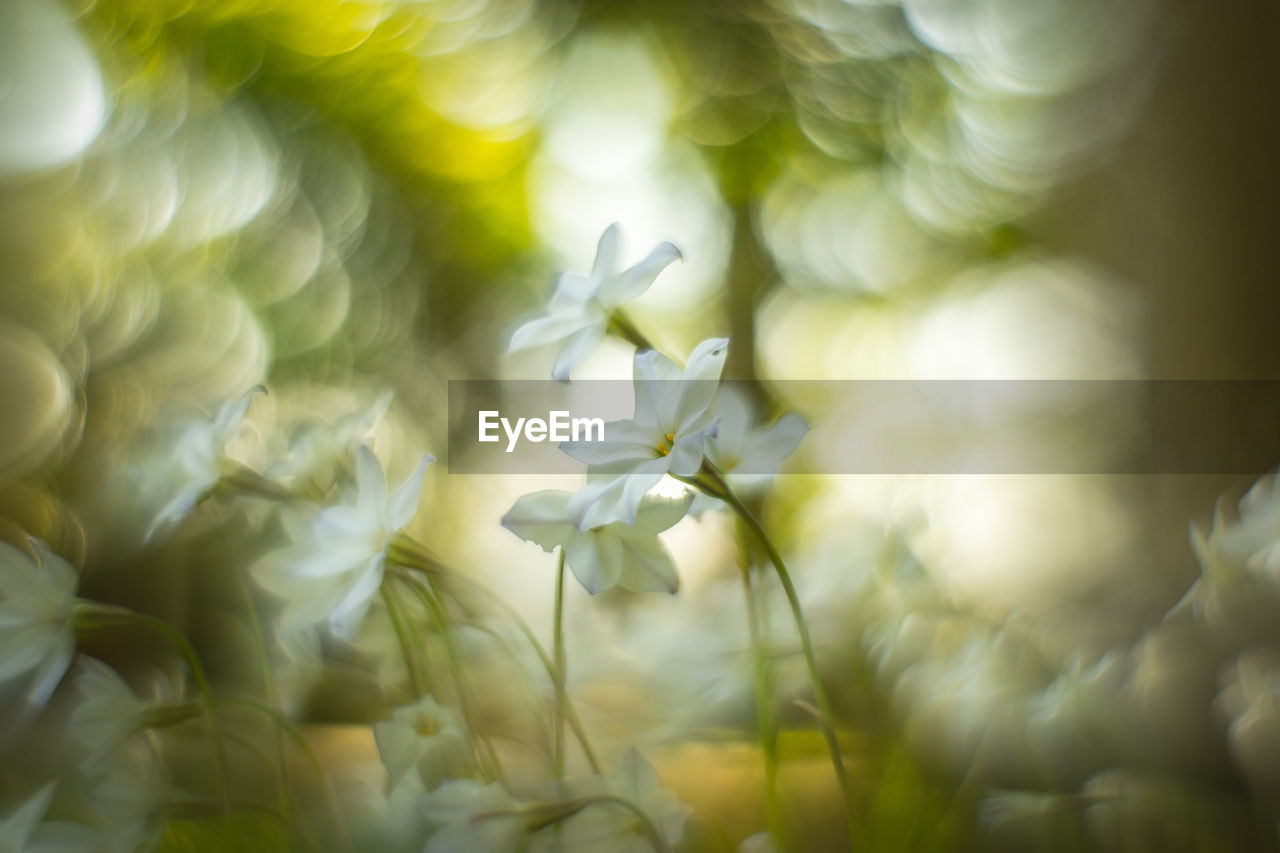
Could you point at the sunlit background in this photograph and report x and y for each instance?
(341, 199)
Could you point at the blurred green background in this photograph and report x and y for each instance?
(339, 198)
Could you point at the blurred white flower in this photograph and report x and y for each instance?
(37, 626)
(739, 444)
(426, 737)
(319, 452)
(23, 832)
(336, 565)
(631, 555)
(1251, 701)
(761, 842)
(667, 435)
(580, 308)
(110, 712)
(614, 827)
(199, 460)
(473, 818)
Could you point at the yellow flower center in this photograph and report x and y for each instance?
(425, 726)
(664, 449)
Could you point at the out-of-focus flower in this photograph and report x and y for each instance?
(667, 435)
(631, 555)
(761, 842)
(319, 452)
(1251, 700)
(426, 737)
(474, 818)
(336, 564)
(580, 309)
(37, 627)
(614, 827)
(199, 460)
(23, 832)
(739, 444)
(110, 713)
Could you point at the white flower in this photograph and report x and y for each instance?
(473, 818)
(336, 564)
(612, 826)
(425, 737)
(37, 628)
(667, 435)
(580, 308)
(319, 451)
(199, 460)
(109, 712)
(22, 831)
(738, 445)
(631, 555)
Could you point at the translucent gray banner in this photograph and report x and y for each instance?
(910, 427)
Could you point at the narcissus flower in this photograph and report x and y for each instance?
(37, 619)
(474, 818)
(750, 454)
(22, 830)
(580, 309)
(336, 565)
(667, 435)
(614, 827)
(199, 460)
(425, 737)
(630, 555)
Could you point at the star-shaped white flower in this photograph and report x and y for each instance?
(474, 818)
(667, 435)
(613, 827)
(37, 627)
(199, 460)
(319, 452)
(426, 737)
(580, 308)
(630, 555)
(336, 565)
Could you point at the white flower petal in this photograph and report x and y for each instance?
(556, 326)
(542, 518)
(404, 501)
(647, 566)
(595, 560)
(607, 252)
(576, 349)
(622, 288)
(658, 514)
(765, 450)
(371, 483)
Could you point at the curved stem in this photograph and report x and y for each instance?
(268, 683)
(92, 616)
(420, 561)
(286, 727)
(713, 483)
(765, 729)
(489, 758)
(561, 674)
(402, 637)
(651, 830)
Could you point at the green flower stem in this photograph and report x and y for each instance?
(268, 682)
(542, 815)
(711, 481)
(490, 765)
(621, 326)
(91, 617)
(413, 556)
(766, 730)
(402, 636)
(510, 651)
(286, 727)
(561, 673)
